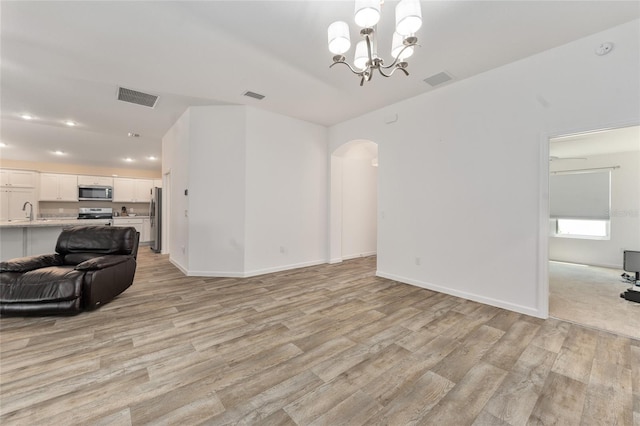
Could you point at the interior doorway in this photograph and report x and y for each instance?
(586, 237)
(354, 201)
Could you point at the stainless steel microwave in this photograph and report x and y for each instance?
(94, 192)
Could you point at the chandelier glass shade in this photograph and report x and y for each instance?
(366, 60)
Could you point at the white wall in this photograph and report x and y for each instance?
(204, 151)
(175, 159)
(286, 193)
(625, 214)
(216, 190)
(463, 171)
(257, 191)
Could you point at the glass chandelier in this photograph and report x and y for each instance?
(366, 59)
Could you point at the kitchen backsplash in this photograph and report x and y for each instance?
(50, 209)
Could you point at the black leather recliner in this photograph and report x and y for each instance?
(91, 266)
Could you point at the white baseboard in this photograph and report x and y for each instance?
(359, 255)
(218, 274)
(256, 272)
(179, 266)
(465, 295)
(248, 274)
(599, 265)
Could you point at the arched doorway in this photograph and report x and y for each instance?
(353, 201)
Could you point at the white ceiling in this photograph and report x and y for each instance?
(626, 139)
(65, 60)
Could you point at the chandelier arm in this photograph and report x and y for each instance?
(366, 36)
(397, 58)
(385, 75)
(350, 67)
(394, 70)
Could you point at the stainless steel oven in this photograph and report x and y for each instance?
(101, 213)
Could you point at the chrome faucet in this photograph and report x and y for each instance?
(24, 208)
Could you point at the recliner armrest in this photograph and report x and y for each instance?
(31, 263)
(102, 262)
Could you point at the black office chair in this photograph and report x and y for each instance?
(631, 263)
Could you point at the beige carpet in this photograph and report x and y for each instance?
(590, 296)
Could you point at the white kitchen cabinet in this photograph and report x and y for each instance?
(130, 221)
(143, 190)
(12, 200)
(145, 236)
(157, 183)
(95, 180)
(12, 243)
(58, 187)
(126, 190)
(42, 240)
(123, 189)
(28, 240)
(18, 178)
(142, 225)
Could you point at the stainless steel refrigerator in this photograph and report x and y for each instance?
(155, 214)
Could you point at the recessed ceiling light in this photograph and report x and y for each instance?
(26, 117)
(152, 157)
(133, 135)
(58, 152)
(70, 123)
(2, 144)
(128, 159)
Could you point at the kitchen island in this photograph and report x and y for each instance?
(19, 238)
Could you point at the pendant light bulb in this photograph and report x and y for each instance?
(408, 17)
(361, 56)
(397, 46)
(367, 13)
(338, 37)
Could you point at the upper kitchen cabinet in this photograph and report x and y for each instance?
(18, 178)
(12, 200)
(95, 180)
(157, 183)
(58, 187)
(123, 190)
(127, 190)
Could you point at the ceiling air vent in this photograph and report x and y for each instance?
(135, 97)
(437, 79)
(254, 95)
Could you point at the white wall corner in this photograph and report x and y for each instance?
(534, 312)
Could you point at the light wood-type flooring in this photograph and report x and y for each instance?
(324, 345)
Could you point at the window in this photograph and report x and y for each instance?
(582, 228)
(580, 202)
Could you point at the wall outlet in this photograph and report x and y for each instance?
(283, 249)
(418, 261)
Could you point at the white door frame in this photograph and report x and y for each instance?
(543, 205)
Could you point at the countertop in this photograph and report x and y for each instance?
(41, 223)
(131, 217)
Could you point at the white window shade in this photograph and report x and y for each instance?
(584, 195)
